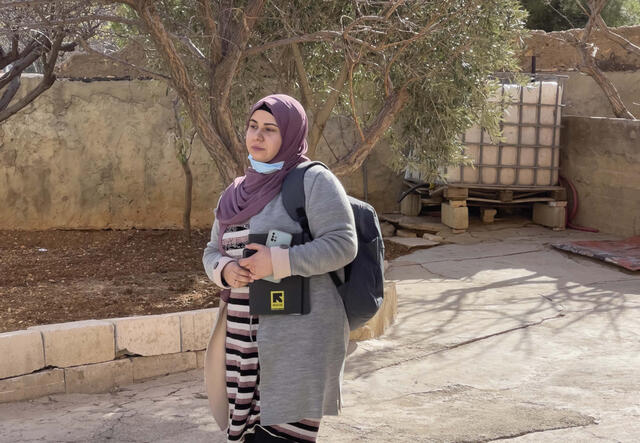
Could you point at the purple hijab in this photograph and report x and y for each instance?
(247, 195)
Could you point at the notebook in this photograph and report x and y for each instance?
(290, 296)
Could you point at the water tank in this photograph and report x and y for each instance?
(528, 153)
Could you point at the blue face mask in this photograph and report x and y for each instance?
(265, 168)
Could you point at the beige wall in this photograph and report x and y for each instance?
(101, 155)
(585, 98)
(602, 158)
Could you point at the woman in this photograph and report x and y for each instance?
(282, 372)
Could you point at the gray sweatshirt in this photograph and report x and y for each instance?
(302, 356)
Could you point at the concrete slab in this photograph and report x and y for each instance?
(77, 343)
(99, 377)
(148, 335)
(196, 328)
(29, 386)
(21, 353)
(147, 367)
(505, 339)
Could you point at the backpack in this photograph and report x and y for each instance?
(363, 287)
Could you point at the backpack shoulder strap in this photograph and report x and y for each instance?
(293, 196)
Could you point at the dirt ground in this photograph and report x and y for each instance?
(59, 276)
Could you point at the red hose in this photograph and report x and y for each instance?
(571, 212)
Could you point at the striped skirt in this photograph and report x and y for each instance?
(243, 379)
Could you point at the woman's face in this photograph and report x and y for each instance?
(263, 136)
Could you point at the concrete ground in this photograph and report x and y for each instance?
(498, 337)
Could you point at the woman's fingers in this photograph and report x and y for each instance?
(241, 272)
(240, 276)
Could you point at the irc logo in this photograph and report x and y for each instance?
(277, 300)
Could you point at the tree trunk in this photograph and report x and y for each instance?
(188, 186)
(227, 165)
(385, 118)
(589, 66)
(322, 114)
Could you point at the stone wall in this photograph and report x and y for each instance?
(553, 54)
(601, 157)
(102, 155)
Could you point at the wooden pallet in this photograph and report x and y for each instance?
(455, 199)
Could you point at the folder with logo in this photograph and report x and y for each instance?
(289, 296)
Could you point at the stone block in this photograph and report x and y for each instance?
(156, 365)
(26, 387)
(200, 358)
(457, 203)
(148, 335)
(550, 216)
(21, 353)
(431, 237)
(388, 230)
(196, 328)
(99, 377)
(406, 234)
(456, 218)
(384, 318)
(422, 223)
(488, 214)
(77, 343)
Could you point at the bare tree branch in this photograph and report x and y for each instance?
(589, 66)
(8, 95)
(83, 19)
(307, 94)
(184, 86)
(47, 80)
(20, 66)
(392, 106)
(321, 117)
(209, 22)
(223, 76)
(626, 44)
(313, 37)
(352, 100)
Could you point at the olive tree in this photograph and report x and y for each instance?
(33, 36)
(419, 67)
(593, 10)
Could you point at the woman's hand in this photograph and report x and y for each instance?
(235, 275)
(259, 264)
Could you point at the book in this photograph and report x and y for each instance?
(288, 297)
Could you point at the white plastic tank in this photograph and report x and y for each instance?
(528, 154)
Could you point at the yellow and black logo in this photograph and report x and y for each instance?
(277, 300)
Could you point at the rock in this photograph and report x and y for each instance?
(405, 233)
(412, 242)
(432, 237)
(390, 217)
(488, 214)
(388, 230)
(421, 223)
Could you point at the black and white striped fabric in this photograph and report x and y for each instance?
(243, 366)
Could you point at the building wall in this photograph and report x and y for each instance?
(601, 156)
